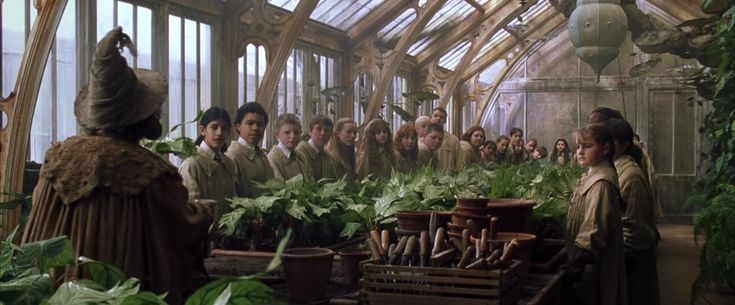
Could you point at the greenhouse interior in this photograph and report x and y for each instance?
(367, 152)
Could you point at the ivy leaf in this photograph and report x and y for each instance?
(105, 275)
(350, 229)
(45, 254)
(296, 211)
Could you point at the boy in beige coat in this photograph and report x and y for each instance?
(250, 159)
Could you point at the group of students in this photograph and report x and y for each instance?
(611, 231)
(512, 149)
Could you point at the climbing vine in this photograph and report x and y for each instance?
(715, 198)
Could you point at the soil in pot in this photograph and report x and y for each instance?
(307, 272)
(350, 261)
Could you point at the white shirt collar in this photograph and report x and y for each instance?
(285, 149)
(244, 143)
(206, 151)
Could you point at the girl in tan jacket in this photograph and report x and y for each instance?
(375, 157)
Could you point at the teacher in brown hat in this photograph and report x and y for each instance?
(116, 201)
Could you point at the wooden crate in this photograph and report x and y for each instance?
(385, 284)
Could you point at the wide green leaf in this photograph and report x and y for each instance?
(105, 275)
(30, 288)
(45, 254)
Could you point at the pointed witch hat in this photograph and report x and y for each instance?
(117, 95)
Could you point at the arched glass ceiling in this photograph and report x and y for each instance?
(451, 59)
(392, 31)
(341, 14)
(527, 16)
(491, 73)
(452, 13)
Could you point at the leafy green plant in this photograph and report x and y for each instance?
(183, 147)
(715, 198)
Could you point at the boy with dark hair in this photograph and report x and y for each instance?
(250, 159)
(449, 155)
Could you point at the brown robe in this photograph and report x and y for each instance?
(470, 154)
(322, 164)
(405, 165)
(206, 178)
(379, 166)
(426, 157)
(449, 155)
(638, 233)
(343, 166)
(252, 167)
(594, 224)
(289, 167)
(123, 205)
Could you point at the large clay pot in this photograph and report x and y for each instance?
(419, 220)
(472, 202)
(513, 213)
(307, 273)
(350, 262)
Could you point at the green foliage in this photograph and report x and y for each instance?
(715, 198)
(181, 146)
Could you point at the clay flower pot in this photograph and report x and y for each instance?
(307, 272)
(350, 262)
(523, 253)
(419, 220)
(472, 202)
(513, 213)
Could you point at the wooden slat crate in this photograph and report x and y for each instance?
(385, 285)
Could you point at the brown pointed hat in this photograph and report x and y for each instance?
(117, 95)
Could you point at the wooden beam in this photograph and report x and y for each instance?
(14, 138)
(508, 43)
(286, 40)
(545, 27)
(491, 26)
(476, 5)
(461, 30)
(377, 19)
(399, 52)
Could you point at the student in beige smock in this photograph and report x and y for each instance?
(470, 144)
(375, 157)
(252, 164)
(341, 148)
(322, 164)
(429, 144)
(285, 160)
(210, 174)
(595, 273)
(449, 154)
(638, 219)
(406, 149)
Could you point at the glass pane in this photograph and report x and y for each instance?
(13, 42)
(191, 100)
(125, 20)
(662, 132)
(175, 98)
(105, 18)
(41, 132)
(299, 88)
(451, 59)
(685, 137)
(251, 56)
(490, 74)
(241, 81)
(205, 61)
(391, 31)
(143, 41)
(66, 63)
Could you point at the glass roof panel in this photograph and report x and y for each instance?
(527, 17)
(340, 14)
(390, 33)
(451, 58)
(452, 13)
(491, 73)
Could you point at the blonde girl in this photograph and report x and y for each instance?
(341, 147)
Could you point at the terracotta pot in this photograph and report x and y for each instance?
(472, 202)
(350, 262)
(461, 218)
(513, 213)
(419, 220)
(307, 272)
(479, 211)
(523, 253)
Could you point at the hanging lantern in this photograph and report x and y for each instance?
(597, 28)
